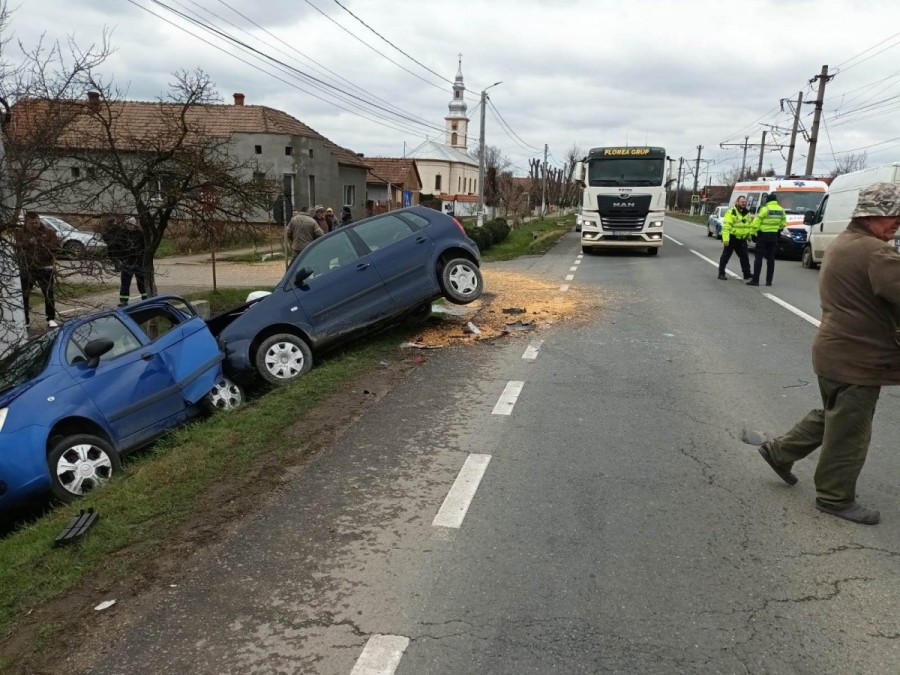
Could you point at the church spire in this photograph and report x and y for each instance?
(457, 120)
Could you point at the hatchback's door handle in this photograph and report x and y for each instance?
(421, 240)
(362, 266)
(147, 356)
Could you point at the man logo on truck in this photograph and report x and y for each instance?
(623, 205)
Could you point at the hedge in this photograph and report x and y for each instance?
(493, 232)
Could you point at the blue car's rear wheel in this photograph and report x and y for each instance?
(283, 357)
(79, 464)
(225, 395)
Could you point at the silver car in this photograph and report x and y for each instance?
(714, 222)
(75, 243)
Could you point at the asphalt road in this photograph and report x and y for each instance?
(590, 508)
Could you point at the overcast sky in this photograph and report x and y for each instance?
(590, 73)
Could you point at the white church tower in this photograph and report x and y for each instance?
(457, 122)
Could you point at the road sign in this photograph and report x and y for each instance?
(695, 199)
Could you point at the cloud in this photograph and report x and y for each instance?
(587, 72)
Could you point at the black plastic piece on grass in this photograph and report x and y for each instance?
(77, 527)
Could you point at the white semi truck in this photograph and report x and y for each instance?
(623, 201)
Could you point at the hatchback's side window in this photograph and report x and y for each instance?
(156, 321)
(421, 222)
(109, 327)
(329, 254)
(380, 232)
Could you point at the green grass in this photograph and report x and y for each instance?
(533, 237)
(71, 291)
(254, 257)
(160, 489)
(700, 220)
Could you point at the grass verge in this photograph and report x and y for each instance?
(225, 298)
(254, 257)
(71, 291)
(700, 220)
(160, 490)
(533, 237)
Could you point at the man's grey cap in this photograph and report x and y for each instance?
(319, 207)
(878, 199)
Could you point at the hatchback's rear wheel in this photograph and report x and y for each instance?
(225, 395)
(79, 464)
(282, 358)
(461, 281)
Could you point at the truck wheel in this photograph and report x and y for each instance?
(587, 250)
(283, 357)
(806, 258)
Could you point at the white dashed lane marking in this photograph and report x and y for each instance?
(789, 307)
(673, 240)
(570, 277)
(508, 398)
(573, 269)
(715, 264)
(457, 502)
(381, 655)
(531, 353)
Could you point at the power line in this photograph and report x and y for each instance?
(411, 58)
(266, 72)
(314, 81)
(512, 134)
(866, 51)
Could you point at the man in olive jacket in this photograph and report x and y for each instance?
(300, 233)
(855, 353)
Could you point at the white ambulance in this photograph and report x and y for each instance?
(797, 195)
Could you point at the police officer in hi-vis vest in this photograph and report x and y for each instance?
(769, 222)
(737, 226)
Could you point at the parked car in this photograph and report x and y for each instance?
(75, 243)
(791, 242)
(351, 281)
(76, 399)
(714, 222)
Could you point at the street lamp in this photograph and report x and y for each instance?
(481, 158)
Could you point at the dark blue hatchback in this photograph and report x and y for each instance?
(357, 278)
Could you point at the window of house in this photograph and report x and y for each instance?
(91, 172)
(312, 190)
(76, 172)
(258, 176)
(287, 183)
(310, 152)
(288, 150)
(456, 94)
(257, 149)
(350, 195)
(437, 182)
(459, 184)
(454, 126)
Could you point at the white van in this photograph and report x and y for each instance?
(833, 214)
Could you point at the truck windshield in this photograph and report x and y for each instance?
(800, 202)
(26, 362)
(621, 171)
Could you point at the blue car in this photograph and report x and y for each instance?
(77, 398)
(357, 278)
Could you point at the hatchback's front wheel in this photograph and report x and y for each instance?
(461, 281)
(79, 464)
(282, 358)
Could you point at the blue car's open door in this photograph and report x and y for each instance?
(184, 341)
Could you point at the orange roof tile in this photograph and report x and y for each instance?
(394, 170)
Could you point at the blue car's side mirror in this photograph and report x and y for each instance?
(302, 275)
(95, 349)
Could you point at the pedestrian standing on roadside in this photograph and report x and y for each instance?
(125, 245)
(319, 216)
(36, 248)
(737, 226)
(855, 353)
(330, 220)
(769, 222)
(300, 233)
(346, 216)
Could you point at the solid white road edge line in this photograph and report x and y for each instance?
(381, 655)
(715, 264)
(508, 398)
(532, 352)
(570, 277)
(673, 240)
(457, 501)
(564, 288)
(789, 307)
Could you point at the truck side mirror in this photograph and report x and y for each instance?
(578, 173)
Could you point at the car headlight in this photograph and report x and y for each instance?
(3, 413)
(656, 223)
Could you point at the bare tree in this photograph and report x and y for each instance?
(855, 161)
(172, 164)
(495, 163)
(513, 195)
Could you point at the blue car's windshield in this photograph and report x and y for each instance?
(26, 362)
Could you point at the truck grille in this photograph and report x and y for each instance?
(622, 222)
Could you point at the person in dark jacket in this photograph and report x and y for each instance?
(346, 216)
(36, 247)
(125, 244)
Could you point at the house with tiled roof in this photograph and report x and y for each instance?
(392, 183)
(310, 168)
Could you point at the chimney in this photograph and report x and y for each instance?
(239, 99)
(94, 100)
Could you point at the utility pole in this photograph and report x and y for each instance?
(744, 160)
(678, 185)
(484, 97)
(696, 177)
(790, 159)
(762, 150)
(746, 144)
(823, 78)
(544, 184)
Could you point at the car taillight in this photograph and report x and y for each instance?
(459, 225)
